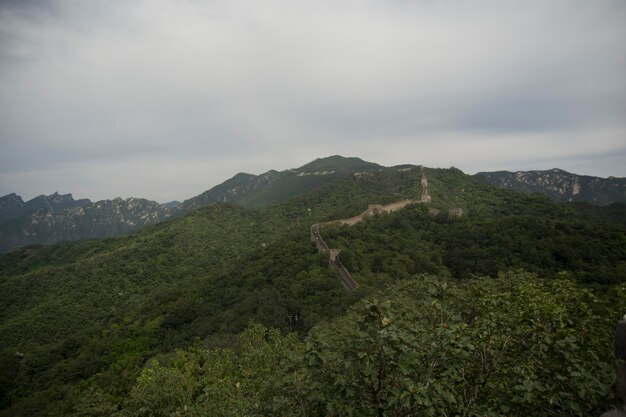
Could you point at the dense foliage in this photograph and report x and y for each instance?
(389, 247)
(511, 346)
(100, 308)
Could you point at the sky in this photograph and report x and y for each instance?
(163, 99)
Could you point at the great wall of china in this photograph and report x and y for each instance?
(373, 209)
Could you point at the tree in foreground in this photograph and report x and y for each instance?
(511, 346)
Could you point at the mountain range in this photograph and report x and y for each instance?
(54, 218)
(561, 185)
(57, 217)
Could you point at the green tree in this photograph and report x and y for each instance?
(514, 345)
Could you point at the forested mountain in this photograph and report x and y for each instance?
(81, 321)
(561, 185)
(273, 187)
(53, 218)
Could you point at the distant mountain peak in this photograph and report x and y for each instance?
(337, 163)
(56, 197)
(50, 218)
(243, 175)
(273, 186)
(11, 196)
(560, 185)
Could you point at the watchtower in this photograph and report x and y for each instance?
(373, 209)
(424, 183)
(334, 253)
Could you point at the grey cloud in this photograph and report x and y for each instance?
(180, 94)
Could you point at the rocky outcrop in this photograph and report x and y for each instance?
(57, 217)
(10, 206)
(560, 185)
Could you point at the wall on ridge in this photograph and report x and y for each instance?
(346, 278)
(371, 211)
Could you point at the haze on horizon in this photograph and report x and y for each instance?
(164, 99)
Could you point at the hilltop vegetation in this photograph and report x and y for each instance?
(87, 316)
(55, 218)
(275, 187)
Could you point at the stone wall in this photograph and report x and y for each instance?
(335, 262)
(333, 254)
(371, 211)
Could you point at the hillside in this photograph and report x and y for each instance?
(561, 185)
(274, 187)
(613, 213)
(85, 317)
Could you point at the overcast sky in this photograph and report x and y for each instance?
(164, 99)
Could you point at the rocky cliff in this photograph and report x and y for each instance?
(56, 217)
(560, 185)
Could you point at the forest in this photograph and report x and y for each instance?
(506, 310)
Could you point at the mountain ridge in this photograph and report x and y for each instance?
(560, 185)
(49, 219)
(56, 217)
(275, 186)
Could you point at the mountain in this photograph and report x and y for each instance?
(173, 204)
(12, 206)
(53, 218)
(81, 320)
(560, 185)
(57, 217)
(273, 187)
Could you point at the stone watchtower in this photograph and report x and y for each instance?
(424, 183)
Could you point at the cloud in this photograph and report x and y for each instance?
(187, 93)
